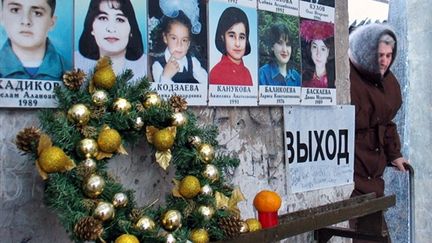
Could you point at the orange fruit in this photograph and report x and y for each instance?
(267, 201)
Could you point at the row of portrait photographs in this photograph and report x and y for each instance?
(240, 56)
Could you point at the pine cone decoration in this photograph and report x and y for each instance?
(230, 226)
(27, 139)
(178, 103)
(74, 79)
(88, 228)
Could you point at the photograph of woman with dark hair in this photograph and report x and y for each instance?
(232, 40)
(111, 29)
(278, 71)
(318, 54)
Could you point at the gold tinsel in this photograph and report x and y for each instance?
(73, 79)
(230, 226)
(88, 228)
(83, 171)
(28, 139)
(178, 103)
(98, 112)
(190, 208)
(89, 203)
(136, 214)
(140, 107)
(88, 131)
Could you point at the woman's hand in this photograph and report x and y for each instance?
(171, 68)
(399, 163)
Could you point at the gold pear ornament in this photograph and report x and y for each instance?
(199, 236)
(127, 238)
(109, 141)
(104, 76)
(163, 140)
(51, 159)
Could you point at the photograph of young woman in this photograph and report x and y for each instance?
(110, 28)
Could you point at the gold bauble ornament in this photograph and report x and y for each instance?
(139, 123)
(189, 186)
(207, 190)
(195, 141)
(206, 211)
(127, 238)
(109, 140)
(89, 163)
(199, 236)
(104, 211)
(206, 152)
(88, 147)
(244, 228)
(94, 186)
(253, 224)
(163, 139)
(170, 239)
(53, 159)
(122, 105)
(79, 114)
(100, 97)
(145, 224)
(120, 199)
(171, 220)
(104, 77)
(178, 119)
(151, 99)
(211, 172)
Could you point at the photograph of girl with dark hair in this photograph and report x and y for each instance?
(233, 54)
(178, 49)
(232, 41)
(110, 28)
(318, 54)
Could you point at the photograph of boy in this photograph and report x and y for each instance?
(110, 28)
(232, 41)
(318, 63)
(28, 52)
(176, 55)
(279, 50)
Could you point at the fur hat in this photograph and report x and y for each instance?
(363, 47)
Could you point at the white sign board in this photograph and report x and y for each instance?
(20, 93)
(319, 146)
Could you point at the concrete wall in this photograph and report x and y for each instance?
(252, 134)
(412, 20)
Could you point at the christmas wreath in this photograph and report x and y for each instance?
(97, 116)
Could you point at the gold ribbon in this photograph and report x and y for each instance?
(230, 204)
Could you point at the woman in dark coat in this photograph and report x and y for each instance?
(376, 94)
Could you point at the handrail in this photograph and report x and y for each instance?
(307, 220)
